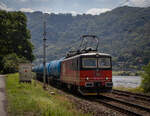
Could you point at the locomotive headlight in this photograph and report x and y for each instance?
(97, 55)
(87, 78)
(106, 78)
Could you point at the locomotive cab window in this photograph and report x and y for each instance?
(104, 63)
(89, 62)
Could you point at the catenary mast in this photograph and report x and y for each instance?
(44, 53)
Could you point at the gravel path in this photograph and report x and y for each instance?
(2, 97)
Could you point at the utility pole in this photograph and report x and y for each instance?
(44, 54)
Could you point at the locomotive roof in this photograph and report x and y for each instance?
(95, 53)
(89, 54)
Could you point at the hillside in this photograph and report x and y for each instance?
(124, 33)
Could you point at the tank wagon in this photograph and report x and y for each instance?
(86, 70)
(55, 68)
(39, 71)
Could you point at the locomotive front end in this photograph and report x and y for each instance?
(95, 73)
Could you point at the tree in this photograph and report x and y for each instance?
(146, 78)
(14, 37)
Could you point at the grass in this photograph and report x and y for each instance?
(30, 100)
(134, 90)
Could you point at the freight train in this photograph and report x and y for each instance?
(85, 70)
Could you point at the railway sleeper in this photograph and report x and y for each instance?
(120, 109)
(127, 103)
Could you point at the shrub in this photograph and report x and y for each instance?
(11, 63)
(146, 78)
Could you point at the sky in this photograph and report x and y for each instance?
(93, 7)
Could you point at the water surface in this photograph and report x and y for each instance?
(126, 81)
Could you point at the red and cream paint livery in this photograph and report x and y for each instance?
(90, 73)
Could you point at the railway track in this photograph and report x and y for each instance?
(134, 95)
(125, 107)
(120, 105)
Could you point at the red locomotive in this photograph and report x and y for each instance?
(87, 70)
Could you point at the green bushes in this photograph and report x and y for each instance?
(146, 78)
(11, 62)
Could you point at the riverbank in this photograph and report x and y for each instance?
(31, 100)
(126, 73)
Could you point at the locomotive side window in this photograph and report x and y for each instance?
(104, 63)
(89, 62)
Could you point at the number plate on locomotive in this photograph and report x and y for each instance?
(97, 74)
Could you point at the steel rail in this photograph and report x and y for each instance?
(126, 103)
(135, 95)
(117, 108)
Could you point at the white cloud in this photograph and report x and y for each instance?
(97, 11)
(136, 3)
(4, 7)
(26, 10)
(23, 0)
(74, 13)
(49, 11)
(141, 3)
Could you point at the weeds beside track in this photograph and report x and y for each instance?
(29, 100)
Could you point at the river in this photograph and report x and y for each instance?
(126, 81)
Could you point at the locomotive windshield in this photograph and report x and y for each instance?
(104, 63)
(96, 62)
(89, 63)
